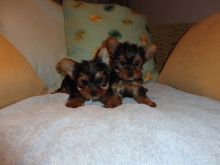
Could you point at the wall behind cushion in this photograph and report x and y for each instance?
(87, 25)
(18, 79)
(194, 65)
(35, 28)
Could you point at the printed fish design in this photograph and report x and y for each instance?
(95, 18)
(127, 21)
(144, 40)
(80, 35)
(78, 5)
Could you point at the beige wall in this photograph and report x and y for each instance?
(175, 11)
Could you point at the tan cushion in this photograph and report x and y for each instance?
(194, 65)
(35, 28)
(18, 79)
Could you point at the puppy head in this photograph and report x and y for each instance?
(91, 77)
(128, 59)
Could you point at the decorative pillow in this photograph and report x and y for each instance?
(194, 65)
(35, 28)
(18, 79)
(87, 25)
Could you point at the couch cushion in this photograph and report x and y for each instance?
(35, 28)
(87, 25)
(18, 79)
(194, 64)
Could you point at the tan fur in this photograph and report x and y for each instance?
(74, 103)
(113, 102)
(65, 67)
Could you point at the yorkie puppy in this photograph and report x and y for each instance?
(88, 80)
(126, 62)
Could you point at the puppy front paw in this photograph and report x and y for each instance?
(146, 101)
(74, 103)
(113, 102)
(152, 104)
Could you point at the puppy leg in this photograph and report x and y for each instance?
(141, 97)
(75, 102)
(66, 85)
(145, 100)
(113, 101)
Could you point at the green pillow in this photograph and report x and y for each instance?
(87, 25)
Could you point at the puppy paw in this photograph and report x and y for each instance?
(113, 102)
(74, 103)
(146, 101)
(152, 104)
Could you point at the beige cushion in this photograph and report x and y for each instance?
(35, 28)
(18, 79)
(194, 65)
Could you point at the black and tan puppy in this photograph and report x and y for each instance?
(88, 80)
(126, 62)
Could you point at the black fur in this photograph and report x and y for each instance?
(130, 50)
(65, 85)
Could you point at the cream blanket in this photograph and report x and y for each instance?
(184, 129)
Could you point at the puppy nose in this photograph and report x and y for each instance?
(93, 93)
(130, 73)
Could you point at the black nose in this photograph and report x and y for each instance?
(130, 73)
(93, 93)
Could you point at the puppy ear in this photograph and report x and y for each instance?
(107, 49)
(150, 50)
(103, 56)
(66, 67)
(111, 43)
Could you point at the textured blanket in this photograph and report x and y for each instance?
(184, 129)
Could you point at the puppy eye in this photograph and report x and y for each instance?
(99, 80)
(84, 83)
(122, 63)
(136, 64)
